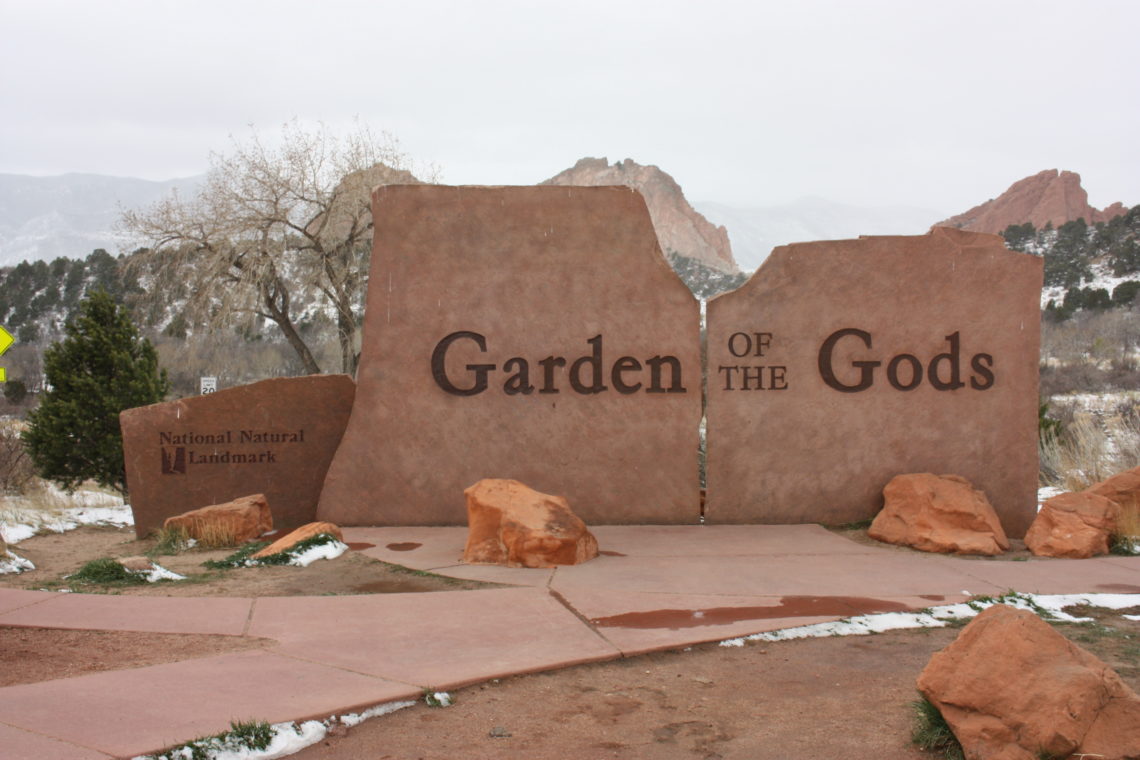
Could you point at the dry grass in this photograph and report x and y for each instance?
(1128, 525)
(211, 534)
(1089, 450)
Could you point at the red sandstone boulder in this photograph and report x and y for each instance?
(1123, 488)
(300, 534)
(513, 525)
(231, 523)
(935, 513)
(1075, 525)
(1012, 688)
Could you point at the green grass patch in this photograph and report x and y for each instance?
(106, 572)
(169, 541)
(1127, 546)
(243, 735)
(931, 733)
(240, 558)
(243, 556)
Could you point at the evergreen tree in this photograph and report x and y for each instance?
(101, 368)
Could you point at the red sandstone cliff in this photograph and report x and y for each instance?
(679, 227)
(1050, 196)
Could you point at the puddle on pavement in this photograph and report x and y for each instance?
(789, 606)
(359, 546)
(1118, 588)
(407, 546)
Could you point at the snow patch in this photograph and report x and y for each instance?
(331, 550)
(20, 520)
(1052, 605)
(12, 563)
(353, 719)
(160, 573)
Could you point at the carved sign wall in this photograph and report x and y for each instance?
(532, 333)
(537, 334)
(839, 365)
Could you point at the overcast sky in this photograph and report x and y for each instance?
(933, 104)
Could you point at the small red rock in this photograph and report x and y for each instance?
(245, 519)
(300, 534)
(513, 525)
(935, 513)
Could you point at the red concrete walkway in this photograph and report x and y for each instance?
(345, 653)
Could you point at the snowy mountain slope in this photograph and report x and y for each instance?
(42, 218)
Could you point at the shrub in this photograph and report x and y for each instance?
(106, 571)
(15, 391)
(16, 470)
(101, 368)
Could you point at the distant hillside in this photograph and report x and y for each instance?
(1087, 266)
(681, 230)
(1047, 198)
(754, 232)
(43, 218)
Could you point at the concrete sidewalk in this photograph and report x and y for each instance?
(653, 588)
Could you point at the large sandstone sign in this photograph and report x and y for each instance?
(276, 437)
(526, 333)
(840, 365)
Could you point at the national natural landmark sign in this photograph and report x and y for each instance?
(275, 437)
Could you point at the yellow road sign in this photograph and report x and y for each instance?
(6, 341)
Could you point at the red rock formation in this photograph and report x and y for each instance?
(290, 540)
(1011, 687)
(679, 227)
(1048, 197)
(513, 525)
(234, 522)
(938, 514)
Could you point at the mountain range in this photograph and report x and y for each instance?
(44, 218)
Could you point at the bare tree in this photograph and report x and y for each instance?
(270, 223)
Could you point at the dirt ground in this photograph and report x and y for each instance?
(56, 555)
(811, 699)
(819, 698)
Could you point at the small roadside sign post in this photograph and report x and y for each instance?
(208, 385)
(6, 341)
